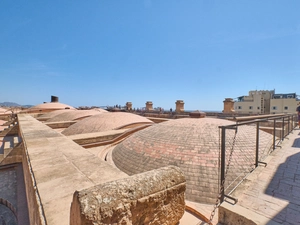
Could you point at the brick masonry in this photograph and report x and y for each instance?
(192, 145)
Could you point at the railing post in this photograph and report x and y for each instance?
(274, 129)
(223, 138)
(257, 144)
(282, 132)
(288, 125)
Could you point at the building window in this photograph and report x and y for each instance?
(239, 107)
(250, 107)
(274, 107)
(286, 107)
(258, 107)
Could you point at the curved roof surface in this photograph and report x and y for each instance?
(99, 110)
(104, 122)
(54, 113)
(51, 105)
(192, 145)
(8, 111)
(1, 125)
(73, 115)
(2, 110)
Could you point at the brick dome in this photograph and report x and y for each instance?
(105, 122)
(192, 145)
(51, 105)
(54, 113)
(73, 115)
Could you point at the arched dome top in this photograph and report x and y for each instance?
(105, 122)
(54, 113)
(194, 146)
(73, 115)
(51, 105)
(100, 110)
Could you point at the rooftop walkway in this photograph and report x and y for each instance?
(57, 167)
(271, 194)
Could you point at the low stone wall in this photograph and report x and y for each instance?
(155, 197)
(35, 210)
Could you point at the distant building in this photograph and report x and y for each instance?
(257, 102)
(266, 102)
(284, 103)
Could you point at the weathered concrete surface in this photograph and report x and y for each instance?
(236, 215)
(155, 197)
(88, 138)
(272, 193)
(14, 155)
(63, 124)
(54, 168)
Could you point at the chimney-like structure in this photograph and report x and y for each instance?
(197, 114)
(129, 105)
(228, 105)
(149, 106)
(179, 106)
(54, 98)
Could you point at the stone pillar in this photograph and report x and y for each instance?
(129, 105)
(179, 106)
(154, 197)
(228, 105)
(149, 106)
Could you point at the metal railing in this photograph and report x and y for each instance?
(244, 146)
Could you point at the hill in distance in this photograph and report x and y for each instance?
(13, 104)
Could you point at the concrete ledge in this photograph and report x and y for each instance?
(12, 156)
(237, 215)
(64, 124)
(89, 138)
(155, 197)
(158, 120)
(54, 168)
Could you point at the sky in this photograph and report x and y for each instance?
(107, 52)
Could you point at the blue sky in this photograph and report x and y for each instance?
(107, 52)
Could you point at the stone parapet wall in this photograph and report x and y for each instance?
(155, 197)
(35, 210)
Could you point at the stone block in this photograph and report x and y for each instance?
(155, 197)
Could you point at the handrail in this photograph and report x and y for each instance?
(247, 118)
(288, 124)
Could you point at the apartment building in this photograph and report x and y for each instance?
(257, 102)
(284, 103)
(266, 102)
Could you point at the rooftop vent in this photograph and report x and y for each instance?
(54, 98)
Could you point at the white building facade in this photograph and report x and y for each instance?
(266, 102)
(284, 103)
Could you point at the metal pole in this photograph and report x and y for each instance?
(222, 164)
(257, 144)
(294, 121)
(289, 125)
(282, 132)
(274, 129)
